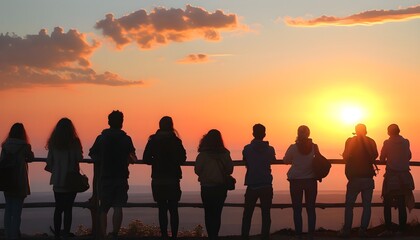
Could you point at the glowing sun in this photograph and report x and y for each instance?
(351, 114)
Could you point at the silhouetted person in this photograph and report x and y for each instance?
(359, 155)
(113, 150)
(302, 178)
(64, 154)
(257, 157)
(16, 144)
(398, 183)
(212, 165)
(164, 151)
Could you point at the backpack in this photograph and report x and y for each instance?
(321, 166)
(9, 171)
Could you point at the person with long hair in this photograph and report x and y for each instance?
(165, 152)
(64, 153)
(212, 165)
(16, 144)
(302, 178)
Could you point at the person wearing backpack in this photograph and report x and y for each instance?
(212, 165)
(257, 157)
(17, 150)
(302, 178)
(359, 154)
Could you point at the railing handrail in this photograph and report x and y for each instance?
(240, 162)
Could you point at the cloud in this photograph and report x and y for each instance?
(364, 18)
(162, 26)
(195, 58)
(56, 59)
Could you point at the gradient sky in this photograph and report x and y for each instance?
(212, 64)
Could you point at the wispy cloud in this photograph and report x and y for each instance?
(56, 59)
(195, 58)
(364, 18)
(162, 26)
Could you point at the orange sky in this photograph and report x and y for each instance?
(216, 65)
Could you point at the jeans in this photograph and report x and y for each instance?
(265, 194)
(297, 188)
(12, 216)
(402, 212)
(63, 205)
(355, 186)
(213, 200)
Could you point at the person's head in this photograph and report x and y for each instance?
(212, 141)
(115, 119)
(166, 124)
(360, 129)
(258, 131)
(393, 130)
(64, 136)
(303, 133)
(17, 131)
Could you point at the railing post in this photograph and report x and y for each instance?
(94, 200)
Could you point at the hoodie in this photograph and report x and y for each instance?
(164, 151)
(112, 150)
(25, 154)
(301, 157)
(257, 156)
(396, 152)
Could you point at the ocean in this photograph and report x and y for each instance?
(38, 220)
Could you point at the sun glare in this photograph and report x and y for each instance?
(351, 114)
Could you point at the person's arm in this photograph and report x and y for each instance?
(274, 154)
(29, 155)
(198, 166)
(288, 156)
(94, 151)
(147, 154)
(49, 161)
(408, 149)
(346, 152)
(374, 150)
(244, 157)
(181, 153)
(384, 152)
(228, 164)
(132, 157)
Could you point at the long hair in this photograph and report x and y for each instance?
(212, 141)
(17, 131)
(303, 142)
(166, 124)
(64, 136)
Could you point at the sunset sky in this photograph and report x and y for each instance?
(212, 64)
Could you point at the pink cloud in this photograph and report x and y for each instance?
(56, 59)
(162, 26)
(364, 18)
(195, 58)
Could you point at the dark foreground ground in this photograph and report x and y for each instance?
(412, 233)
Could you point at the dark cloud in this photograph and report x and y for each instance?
(364, 18)
(56, 59)
(195, 58)
(162, 26)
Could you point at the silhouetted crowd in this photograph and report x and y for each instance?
(113, 151)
